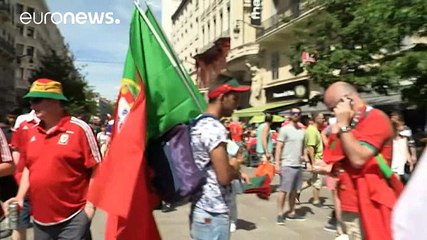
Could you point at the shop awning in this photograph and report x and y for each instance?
(261, 119)
(260, 110)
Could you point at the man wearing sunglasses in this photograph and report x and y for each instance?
(360, 142)
(60, 155)
(288, 156)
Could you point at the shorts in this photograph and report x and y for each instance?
(317, 180)
(25, 215)
(290, 179)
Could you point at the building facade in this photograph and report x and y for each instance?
(7, 57)
(247, 39)
(33, 41)
(21, 48)
(168, 9)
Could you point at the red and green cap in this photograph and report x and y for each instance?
(46, 88)
(226, 85)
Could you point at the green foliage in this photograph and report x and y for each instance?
(75, 87)
(365, 42)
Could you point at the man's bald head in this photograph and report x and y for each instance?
(335, 92)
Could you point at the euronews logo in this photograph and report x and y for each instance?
(69, 18)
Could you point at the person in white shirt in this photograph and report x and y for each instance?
(410, 213)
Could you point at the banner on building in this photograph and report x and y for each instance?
(256, 9)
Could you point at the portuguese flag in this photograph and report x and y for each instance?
(156, 94)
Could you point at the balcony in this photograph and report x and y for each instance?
(287, 16)
(249, 49)
(6, 48)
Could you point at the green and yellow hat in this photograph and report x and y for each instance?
(46, 88)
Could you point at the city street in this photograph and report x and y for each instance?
(257, 220)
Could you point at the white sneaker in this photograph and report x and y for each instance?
(233, 227)
(342, 237)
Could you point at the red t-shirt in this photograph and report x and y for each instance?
(18, 143)
(375, 131)
(60, 162)
(236, 131)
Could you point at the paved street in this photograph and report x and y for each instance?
(256, 221)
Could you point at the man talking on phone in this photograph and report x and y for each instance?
(361, 135)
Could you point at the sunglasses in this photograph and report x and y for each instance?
(296, 113)
(36, 100)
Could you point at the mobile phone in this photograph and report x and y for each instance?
(348, 98)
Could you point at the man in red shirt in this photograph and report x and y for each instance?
(360, 134)
(60, 155)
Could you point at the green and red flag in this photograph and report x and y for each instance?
(156, 94)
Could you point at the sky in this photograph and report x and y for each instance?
(100, 49)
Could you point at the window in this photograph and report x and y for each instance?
(20, 49)
(275, 59)
(228, 16)
(20, 28)
(214, 28)
(20, 73)
(220, 22)
(19, 9)
(30, 32)
(30, 51)
(30, 10)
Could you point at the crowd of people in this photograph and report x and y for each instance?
(356, 151)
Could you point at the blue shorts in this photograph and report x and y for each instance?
(209, 226)
(25, 215)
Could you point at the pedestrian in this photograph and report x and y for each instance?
(7, 167)
(401, 154)
(410, 213)
(314, 150)
(102, 137)
(18, 144)
(210, 209)
(289, 162)
(264, 147)
(60, 157)
(361, 139)
(406, 132)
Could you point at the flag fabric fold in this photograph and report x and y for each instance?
(156, 94)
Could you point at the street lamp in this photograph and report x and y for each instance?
(236, 29)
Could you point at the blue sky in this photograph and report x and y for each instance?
(100, 49)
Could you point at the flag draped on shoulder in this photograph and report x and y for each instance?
(155, 94)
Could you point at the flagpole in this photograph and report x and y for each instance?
(168, 54)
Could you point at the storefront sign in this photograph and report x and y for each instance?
(256, 8)
(288, 91)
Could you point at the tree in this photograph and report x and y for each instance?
(370, 43)
(75, 87)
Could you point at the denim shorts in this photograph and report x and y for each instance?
(209, 226)
(25, 215)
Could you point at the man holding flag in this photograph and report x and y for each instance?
(155, 95)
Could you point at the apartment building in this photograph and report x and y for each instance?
(209, 34)
(168, 9)
(7, 56)
(33, 41)
(247, 38)
(200, 36)
(279, 19)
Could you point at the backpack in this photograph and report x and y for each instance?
(176, 175)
